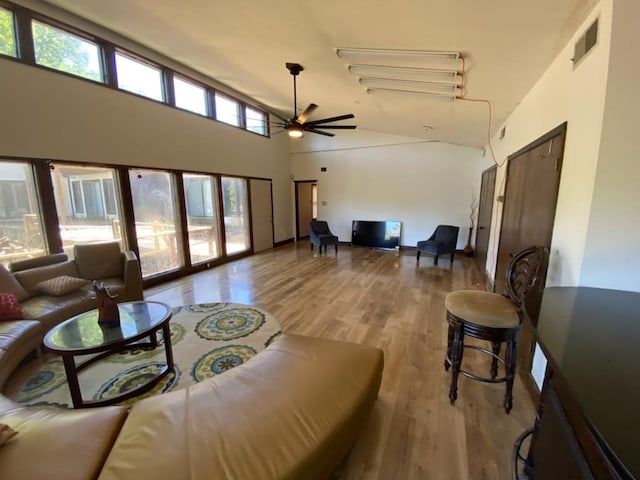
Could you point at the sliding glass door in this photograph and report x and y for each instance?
(235, 203)
(157, 223)
(88, 204)
(201, 201)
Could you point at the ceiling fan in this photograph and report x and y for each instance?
(298, 124)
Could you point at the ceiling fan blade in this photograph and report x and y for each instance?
(332, 119)
(307, 113)
(313, 130)
(336, 127)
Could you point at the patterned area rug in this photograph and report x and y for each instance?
(207, 339)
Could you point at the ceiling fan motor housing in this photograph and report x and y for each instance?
(294, 68)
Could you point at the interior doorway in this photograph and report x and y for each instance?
(306, 206)
(530, 197)
(485, 213)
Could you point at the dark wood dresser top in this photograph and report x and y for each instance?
(591, 337)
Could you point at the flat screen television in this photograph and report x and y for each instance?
(365, 233)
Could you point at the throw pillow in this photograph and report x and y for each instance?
(6, 432)
(61, 285)
(9, 307)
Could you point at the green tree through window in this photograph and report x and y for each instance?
(63, 51)
(7, 36)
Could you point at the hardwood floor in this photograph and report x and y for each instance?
(383, 299)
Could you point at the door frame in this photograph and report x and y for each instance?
(297, 200)
(492, 170)
(525, 364)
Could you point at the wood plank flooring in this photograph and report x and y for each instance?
(382, 299)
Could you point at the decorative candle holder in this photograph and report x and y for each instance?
(108, 313)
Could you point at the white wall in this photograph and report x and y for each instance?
(577, 97)
(53, 116)
(372, 176)
(612, 252)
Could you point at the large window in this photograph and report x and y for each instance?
(61, 50)
(88, 204)
(256, 121)
(227, 110)
(68, 49)
(21, 234)
(157, 230)
(236, 214)
(138, 77)
(7, 33)
(190, 96)
(202, 216)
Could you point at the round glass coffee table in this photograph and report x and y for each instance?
(83, 335)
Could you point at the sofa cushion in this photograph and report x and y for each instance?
(36, 262)
(29, 279)
(99, 260)
(58, 444)
(17, 339)
(9, 284)
(291, 412)
(61, 285)
(10, 307)
(50, 310)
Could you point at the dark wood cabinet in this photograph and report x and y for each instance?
(555, 452)
(588, 416)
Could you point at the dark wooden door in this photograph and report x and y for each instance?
(531, 192)
(485, 212)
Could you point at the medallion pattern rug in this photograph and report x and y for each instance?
(208, 339)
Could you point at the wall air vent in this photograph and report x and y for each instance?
(585, 43)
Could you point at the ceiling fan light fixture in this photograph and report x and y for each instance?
(295, 131)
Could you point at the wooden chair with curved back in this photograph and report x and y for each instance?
(493, 317)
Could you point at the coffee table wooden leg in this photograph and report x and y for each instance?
(72, 380)
(168, 349)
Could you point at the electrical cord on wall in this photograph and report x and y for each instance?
(494, 218)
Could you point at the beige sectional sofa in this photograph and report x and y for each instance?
(292, 412)
(100, 262)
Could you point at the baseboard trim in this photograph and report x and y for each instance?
(283, 242)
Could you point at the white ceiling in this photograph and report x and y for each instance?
(507, 45)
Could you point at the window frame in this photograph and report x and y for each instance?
(182, 78)
(25, 53)
(14, 24)
(148, 63)
(71, 31)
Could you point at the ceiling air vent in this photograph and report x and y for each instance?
(585, 43)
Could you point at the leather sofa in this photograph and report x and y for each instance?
(100, 262)
(292, 412)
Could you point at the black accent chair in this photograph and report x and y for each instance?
(492, 317)
(441, 242)
(321, 235)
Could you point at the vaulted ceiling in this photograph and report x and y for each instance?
(506, 46)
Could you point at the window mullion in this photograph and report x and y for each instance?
(243, 115)
(24, 35)
(169, 91)
(211, 103)
(109, 64)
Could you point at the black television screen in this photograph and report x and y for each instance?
(366, 233)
